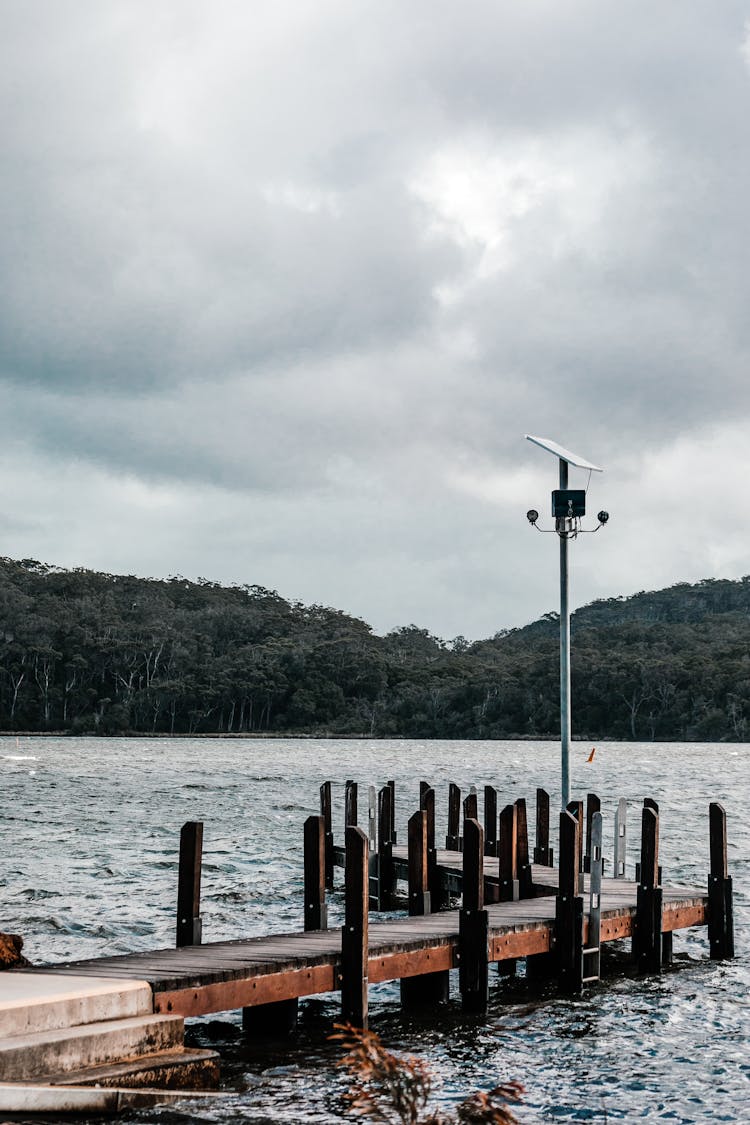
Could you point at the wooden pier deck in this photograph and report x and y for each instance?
(220, 976)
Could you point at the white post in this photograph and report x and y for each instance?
(564, 650)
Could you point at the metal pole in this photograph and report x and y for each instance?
(564, 653)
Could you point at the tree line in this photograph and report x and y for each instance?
(86, 652)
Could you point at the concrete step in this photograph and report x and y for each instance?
(183, 1069)
(66, 1049)
(54, 1101)
(37, 1001)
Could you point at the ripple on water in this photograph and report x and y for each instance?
(90, 861)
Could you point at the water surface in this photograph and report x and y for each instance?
(89, 832)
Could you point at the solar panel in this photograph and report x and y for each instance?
(563, 454)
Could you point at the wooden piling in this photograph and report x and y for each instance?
(490, 820)
(419, 894)
(647, 945)
(453, 838)
(189, 926)
(542, 850)
(350, 804)
(427, 804)
(392, 787)
(471, 805)
(426, 988)
(569, 907)
(523, 866)
(507, 861)
(270, 1021)
(354, 933)
(576, 809)
(473, 926)
(720, 905)
(593, 805)
(386, 869)
(316, 911)
(326, 811)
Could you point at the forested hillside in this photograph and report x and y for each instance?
(88, 652)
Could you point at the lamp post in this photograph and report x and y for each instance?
(568, 506)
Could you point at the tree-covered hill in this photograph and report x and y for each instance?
(82, 651)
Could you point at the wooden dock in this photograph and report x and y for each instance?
(514, 904)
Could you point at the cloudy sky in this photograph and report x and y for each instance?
(283, 285)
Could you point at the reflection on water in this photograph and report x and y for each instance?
(89, 832)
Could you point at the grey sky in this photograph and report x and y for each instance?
(283, 285)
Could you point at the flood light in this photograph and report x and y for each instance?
(532, 515)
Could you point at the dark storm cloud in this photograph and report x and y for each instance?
(316, 254)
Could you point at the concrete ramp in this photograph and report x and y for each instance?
(36, 1001)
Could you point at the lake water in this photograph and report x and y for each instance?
(89, 832)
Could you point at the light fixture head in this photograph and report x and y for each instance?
(532, 515)
(602, 517)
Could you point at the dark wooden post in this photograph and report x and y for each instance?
(647, 943)
(423, 787)
(326, 811)
(507, 865)
(473, 924)
(426, 988)
(316, 911)
(392, 787)
(189, 925)
(427, 803)
(386, 870)
(569, 907)
(350, 804)
(542, 850)
(648, 803)
(576, 809)
(354, 933)
(593, 805)
(453, 838)
(720, 905)
(523, 867)
(490, 820)
(471, 805)
(419, 895)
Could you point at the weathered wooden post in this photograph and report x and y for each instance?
(592, 960)
(569, 907)
(427, 804)
(523, 867)
(647, 944)
(471, 805)
(576, 809)
(648, 803)
(507, 861)
(316, 911)
(593, 805)
(426, 988)
(189, 924)
(542, 850)
(354, 933)
(720, 905)
(392, 787)
(419, 894)
(453, 837)
(621, 839)
(326, 811)
(473, 924)
(490, 820)
(386, 869)
(350, 804)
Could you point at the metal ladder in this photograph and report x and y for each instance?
(592, 952)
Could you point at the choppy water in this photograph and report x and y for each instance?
(89, 832)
